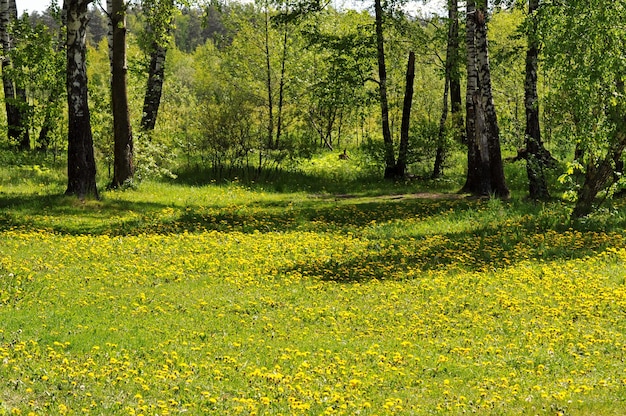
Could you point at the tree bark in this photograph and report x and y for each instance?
(154, 89)
(390, 161)
(81, 165)
(496, 167)
(400, 168)
(123, 164)
(535, 150)
(473, 183)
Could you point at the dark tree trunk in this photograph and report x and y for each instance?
(496, 167)
(81, 165)
(535, 150)
(390, 160)
(281, 90)
(270, 93)
(473, 179)
(400, 168)
(123, 164)
(154, 89)
(441, 135)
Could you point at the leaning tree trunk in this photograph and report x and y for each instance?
(123, 164)
(15, 99)
(496, 167)
(600, 175)
(403, 151)
(154, 89)
(81, 165)
(535, 151)
(474, 183)
(390, 160)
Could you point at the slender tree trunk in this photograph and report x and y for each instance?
(123, 164)
(154, 89)
(456, 102)
(15, 99)
(473, 183)
(81, 165)
(535, 151)
(281, 89)
(270, 94)
(390, 160)
(450, 67)
(498, 183)
(441, 135)
(400, 169)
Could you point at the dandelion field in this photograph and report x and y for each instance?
(232, 300)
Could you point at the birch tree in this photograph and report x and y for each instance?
(81, 165)
(159, 21)
(485, 166)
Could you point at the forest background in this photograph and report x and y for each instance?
(259, 88)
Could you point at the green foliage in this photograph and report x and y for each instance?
(38, 67)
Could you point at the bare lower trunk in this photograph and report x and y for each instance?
(390, 160)
(81, 165)
(400, 168)
(123, 164)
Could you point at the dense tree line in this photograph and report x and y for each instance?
(253, 85)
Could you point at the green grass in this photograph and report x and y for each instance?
(336, 297)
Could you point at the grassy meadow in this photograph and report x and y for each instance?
(337, 297)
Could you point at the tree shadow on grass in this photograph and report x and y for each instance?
(69, 215)
(481, 250)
